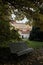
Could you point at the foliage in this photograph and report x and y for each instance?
(14, 35)
(24, 6)
(4, 22)
(4, 11)
(5, 33)
(36, 34)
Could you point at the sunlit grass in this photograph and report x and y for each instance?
(35, 44)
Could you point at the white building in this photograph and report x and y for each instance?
(23, 29)
(24, 34)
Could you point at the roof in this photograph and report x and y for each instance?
(20, 26)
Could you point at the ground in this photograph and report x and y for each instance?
(35, 58)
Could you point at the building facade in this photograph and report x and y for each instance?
(23, 29)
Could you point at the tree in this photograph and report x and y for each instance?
(5, 33)
(4, 22)
(15, 35)
(37, 30)
(4, 11)
(25, 5)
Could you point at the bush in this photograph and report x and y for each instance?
(36, 34)
(4, 31)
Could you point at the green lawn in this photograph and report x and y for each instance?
(35, 44)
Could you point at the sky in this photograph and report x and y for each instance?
(32, 9)
(23, 20)
(20, 21)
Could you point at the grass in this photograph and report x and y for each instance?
(35, 44)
